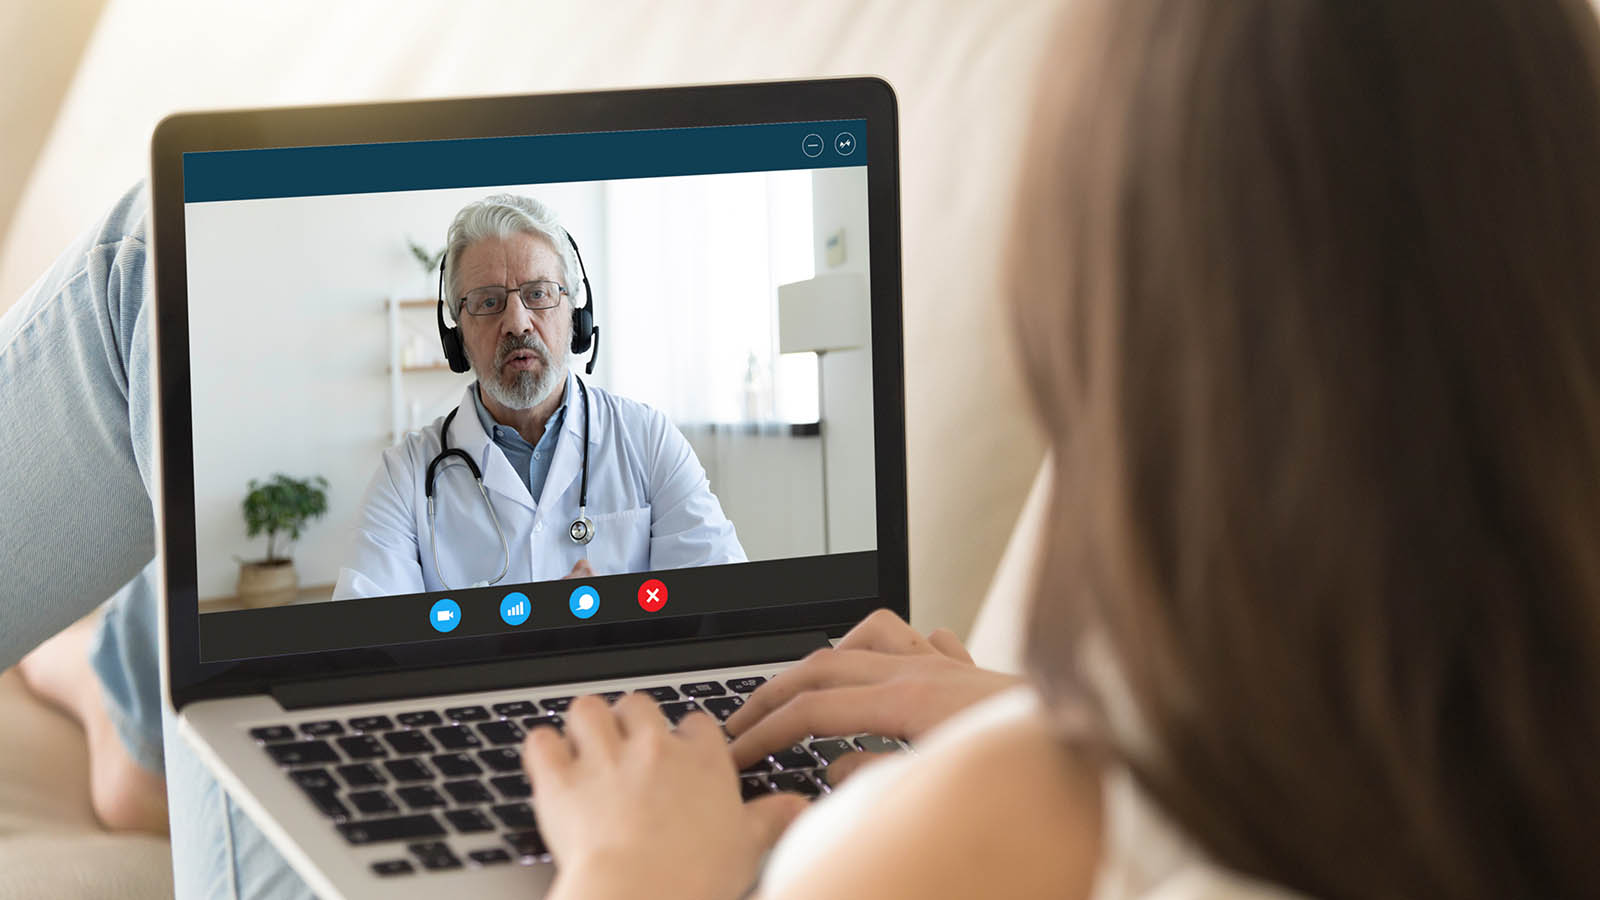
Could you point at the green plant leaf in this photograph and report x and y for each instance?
(283, 505)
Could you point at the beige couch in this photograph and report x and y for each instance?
(962, 71)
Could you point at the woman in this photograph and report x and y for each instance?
(1306, 293)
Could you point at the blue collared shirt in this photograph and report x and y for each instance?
(531, 461)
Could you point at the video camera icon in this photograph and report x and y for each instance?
(445, 615)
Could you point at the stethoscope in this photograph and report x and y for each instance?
(581, 530)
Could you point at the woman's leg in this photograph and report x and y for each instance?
(77, 407)
(74, 403)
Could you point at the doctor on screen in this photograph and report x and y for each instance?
(535, 475)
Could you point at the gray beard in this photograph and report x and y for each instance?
(521, 390)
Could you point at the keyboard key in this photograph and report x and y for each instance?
(302, 753)
(362, 746)
(361, 775)
(752, 786)
(467, 791)
(400, 828)
(549, 721)
(676, 711)
(326, 728)
(272, 734)
(795, 757)
(830, 749)
(527, 843)
(372, 803)
(703, 689)
(421, 796)
(516, 708)
(326, 800)
(660, 694)
(435, 855)
(408, 742)
(722, 707)
(502, 759)
(455, 737)
(420, 719)
(454, 765)
(799, 782)
(314, 779)
(372, 723)
(512, 787)
(612, 696)
(408, 770)
(438, 863)
(489, 857)
(873, 743)
(501, 732)
(467, 713)
(746, 685)
(387, 867)
(469, 821)
(556, 704)
(515, 815)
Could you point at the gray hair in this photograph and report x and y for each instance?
(500, 216)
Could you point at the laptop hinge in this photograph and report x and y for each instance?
(568, 667)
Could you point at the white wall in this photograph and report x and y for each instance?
(769, 484)
(839, 202)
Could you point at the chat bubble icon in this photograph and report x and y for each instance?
(585, 601)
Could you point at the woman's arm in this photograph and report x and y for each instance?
(1008, 813)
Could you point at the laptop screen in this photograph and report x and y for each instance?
(652, 349)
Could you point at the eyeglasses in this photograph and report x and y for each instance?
(491, 300)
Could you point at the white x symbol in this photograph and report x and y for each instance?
(652, 593)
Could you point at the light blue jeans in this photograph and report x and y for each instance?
(76, 418)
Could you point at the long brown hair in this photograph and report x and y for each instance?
(1308, 295)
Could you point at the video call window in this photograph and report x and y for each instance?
(729, 411)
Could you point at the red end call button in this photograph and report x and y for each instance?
(652, 595)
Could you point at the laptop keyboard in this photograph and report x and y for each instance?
(427, 777)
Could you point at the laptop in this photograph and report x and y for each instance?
(386, 559)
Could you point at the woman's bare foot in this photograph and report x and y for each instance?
(126, 796)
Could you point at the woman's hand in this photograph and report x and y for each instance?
(882, 678)
(631, 808)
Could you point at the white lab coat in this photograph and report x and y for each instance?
(649, 499)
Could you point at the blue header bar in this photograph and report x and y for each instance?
(528, 159)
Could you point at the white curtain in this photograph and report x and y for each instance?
(688, 312)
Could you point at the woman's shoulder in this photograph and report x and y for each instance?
(996, 808)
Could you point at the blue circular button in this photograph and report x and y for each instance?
(515, 608)
(585, 602)
(445, 615)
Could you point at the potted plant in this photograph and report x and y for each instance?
(429, 260)
(281, 506)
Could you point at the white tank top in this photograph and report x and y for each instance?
(1144, 858)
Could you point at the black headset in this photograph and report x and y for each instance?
(585, 334)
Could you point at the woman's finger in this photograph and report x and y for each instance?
(945, 641)
(818, 671)
(767, 817)
(546, 756)
(700, 729)
(885, 632)
(637, 714)
(592, 729)
(847, 765)
(874, 708)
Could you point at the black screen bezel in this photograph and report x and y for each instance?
(871, 99)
